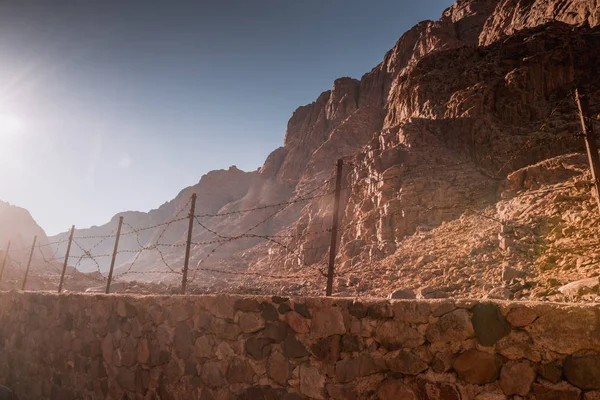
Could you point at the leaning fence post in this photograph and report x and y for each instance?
(590, 141)
(334, 226)
(186, 263)
(4, 261)
(62, 276)
(29, 263)
(114, 256)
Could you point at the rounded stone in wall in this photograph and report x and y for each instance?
(477, 367)
(583, 371)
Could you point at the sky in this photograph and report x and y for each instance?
(108, 106)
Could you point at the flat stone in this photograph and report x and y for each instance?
(107, 349)
(126, 379)
(394, 335)
(183, 341)
(489, 324)
(509, 273)
(380, 310)
(302, 309)
(350, 343)
(490, 396)
(499, 293)
(406, 362)
(284, 308)
(297, 322)
(279, 299)
(327, 322)
(269, 312)
(341, 391)
(453, 326)
(293, 348)
(443, 308)
(221, 306)
(477, 367)
(404, 294)
(258, 348)
(312, 382)
(212, 374)
(580, 287)
(561, 391)
(442, 361)
(239, 371)
(178, 313)
(278, 368)
(550, 371)
(276, 331)
(412, 312)
(583, 371)
(350, 369)
(327, 349)
(516, 378)
(225, 329)
(520, 316)
(126, 309)
(248, 305)
(561, 330)
(250, 322)
(202, 348)
(357, 309)
(394, 389)
(433, 390)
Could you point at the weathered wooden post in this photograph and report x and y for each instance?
(334, 227)
(590, 141)
(114, 256)
(186, 263)
(29, 263)
(62, 276)
(4, 261)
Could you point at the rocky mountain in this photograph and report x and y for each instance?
(434, 132)
(18, 227)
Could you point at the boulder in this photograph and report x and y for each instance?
(580, 287)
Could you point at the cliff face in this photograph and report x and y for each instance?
(18, 226)
(432, 131)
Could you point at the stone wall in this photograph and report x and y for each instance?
(79, 346)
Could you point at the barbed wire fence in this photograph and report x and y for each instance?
(88, 252)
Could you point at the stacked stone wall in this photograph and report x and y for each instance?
(78, 346)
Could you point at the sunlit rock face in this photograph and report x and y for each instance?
(454, 107)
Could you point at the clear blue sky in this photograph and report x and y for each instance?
(107, 106)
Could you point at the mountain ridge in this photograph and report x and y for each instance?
(420, 95)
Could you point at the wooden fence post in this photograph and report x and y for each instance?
(590, 141)
(188, 244)
(62, 276)
(114, 256)
(334, 227)
(29, 263)
(4, 261)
